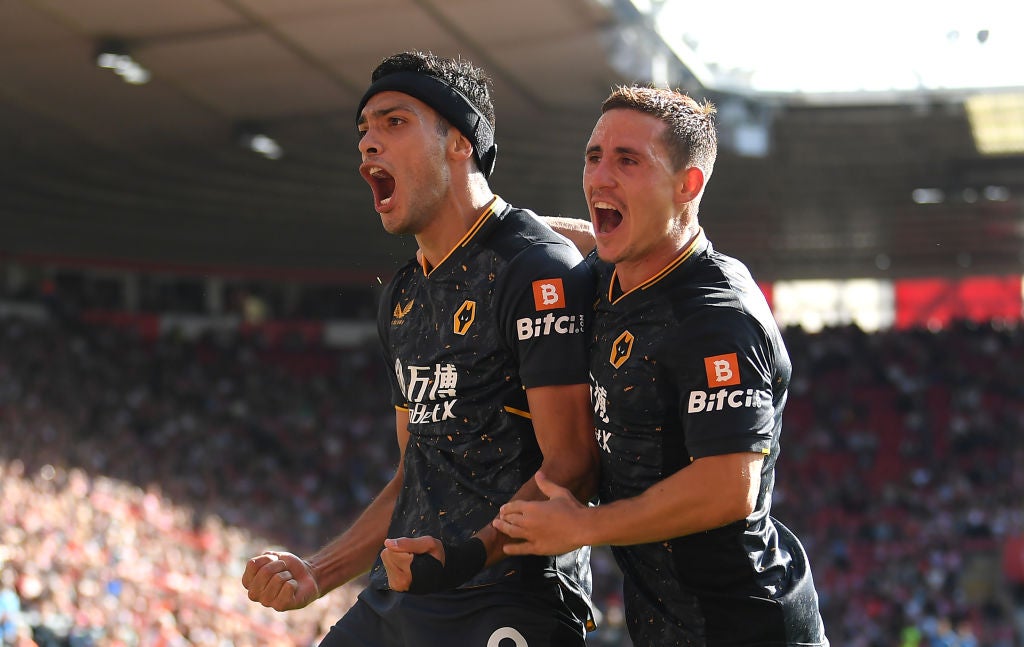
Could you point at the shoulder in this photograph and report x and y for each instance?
(727, 296)
(727, 313)
(523, 236)
(724, 326)
(530, 252)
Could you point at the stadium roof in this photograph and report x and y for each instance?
(99, 165)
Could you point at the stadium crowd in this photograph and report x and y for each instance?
(138, 475)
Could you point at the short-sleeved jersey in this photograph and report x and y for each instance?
(691, 364)
(505, 311)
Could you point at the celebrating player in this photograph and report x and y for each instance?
(689, 378)
(485, 335)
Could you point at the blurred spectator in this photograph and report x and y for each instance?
(902, 463)
(10, 608)
(137, 476)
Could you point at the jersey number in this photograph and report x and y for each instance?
(518, 640)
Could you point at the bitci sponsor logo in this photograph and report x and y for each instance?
(702, 401)
(549, 324)
(548, 294)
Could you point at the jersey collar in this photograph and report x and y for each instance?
(698, 243)
(497, 205)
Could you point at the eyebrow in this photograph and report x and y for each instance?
(622, 150)
(382, 112)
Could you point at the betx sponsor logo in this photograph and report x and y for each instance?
(421, 412)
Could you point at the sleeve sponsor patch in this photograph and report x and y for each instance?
(722, 370)
(548, 294)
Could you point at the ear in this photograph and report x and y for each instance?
(459, 146)
(690, 184)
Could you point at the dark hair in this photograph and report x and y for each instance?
(690, 134)
(459, 73)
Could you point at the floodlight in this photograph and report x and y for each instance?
(997, 122)
(253, 137)
(112, 54)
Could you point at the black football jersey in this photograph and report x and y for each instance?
(506, 310)
(690, 364)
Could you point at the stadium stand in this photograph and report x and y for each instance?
(138, 473)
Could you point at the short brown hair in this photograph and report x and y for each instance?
(690, 134)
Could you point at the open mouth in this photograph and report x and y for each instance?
(606, 217)
(382, 184)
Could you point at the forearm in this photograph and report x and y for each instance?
(563, 422)
(578, 472)
(707, 494)
(563, 419)
(579, 232)
(644, 519)
(354, 551)
(575, 471)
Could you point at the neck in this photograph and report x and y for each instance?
(463, 207)
(631, 274)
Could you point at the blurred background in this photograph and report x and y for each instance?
(190, 265)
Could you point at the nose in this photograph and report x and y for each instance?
(598, 175)
(368, 143)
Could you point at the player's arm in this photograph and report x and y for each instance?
(579, 232)
(719, 487)
(709, 493)
(284, 581)
(563, 422)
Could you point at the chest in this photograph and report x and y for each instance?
(444, 337)
(634, 363)
(633, 352)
